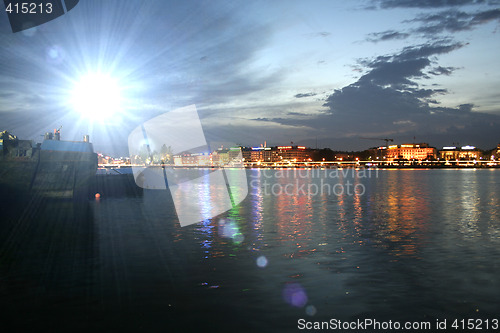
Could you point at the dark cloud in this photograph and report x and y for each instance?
(387, 100)
(5, 94)
(386, 35)
(454, 21)
(305, 95)
(447, 21)
(319, 34)
(427, 3)
(426, 93)
(465, 107)
(379, 111)
(395, 72)
(427, 50)
(391, 78)
(400, 69)
(299, 114)
(439, 70)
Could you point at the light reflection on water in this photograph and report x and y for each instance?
(401, 213)
(412, 235)
(415, 245)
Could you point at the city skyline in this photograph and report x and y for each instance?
(261, 156)
(326, 72)
(211, 149)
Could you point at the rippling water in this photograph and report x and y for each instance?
(402, 245)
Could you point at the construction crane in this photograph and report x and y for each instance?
(386, 140)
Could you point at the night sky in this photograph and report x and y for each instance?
(275, 71)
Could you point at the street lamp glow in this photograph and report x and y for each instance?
(96, 96)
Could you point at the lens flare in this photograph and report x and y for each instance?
(295, 295)
(311, 310)
(96, 96)
(262, 261)
(229, 229)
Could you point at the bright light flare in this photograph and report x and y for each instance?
(96, 96)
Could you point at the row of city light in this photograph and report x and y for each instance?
(463, 148)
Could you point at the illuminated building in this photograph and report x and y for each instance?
(220, 156)
(246, 153)
(201, 159)
(294, 153)
(177, 160)
(497, 153)
(410, 151)
(465, 153)
(103, 159)
(234, 154)
(260, 154)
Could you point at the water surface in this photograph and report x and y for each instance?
(407, 245)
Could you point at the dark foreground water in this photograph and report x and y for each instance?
(415, 246)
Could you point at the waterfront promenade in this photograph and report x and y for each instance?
(328, 164)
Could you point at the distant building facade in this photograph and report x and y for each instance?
(294, 153)
(410, 151)
(277, 154)
(197, 159)
(465, 153)
(220, 156)
(260, 154)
